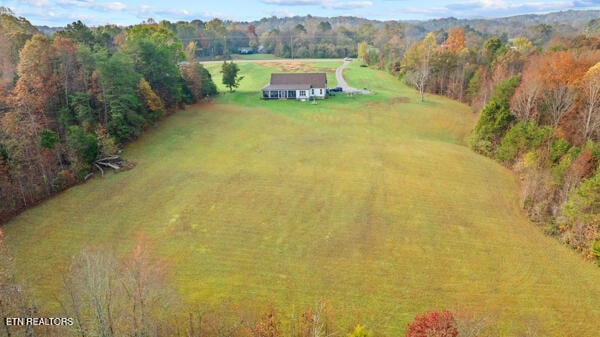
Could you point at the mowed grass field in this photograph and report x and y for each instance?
(369, 202)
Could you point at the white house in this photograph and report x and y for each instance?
(300, 86)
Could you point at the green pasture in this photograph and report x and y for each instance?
(369, 202)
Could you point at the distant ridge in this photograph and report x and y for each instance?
(570, 21)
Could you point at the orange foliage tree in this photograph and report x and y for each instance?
(561, 71)
(433, 324)
(456, 39)
(525, 102)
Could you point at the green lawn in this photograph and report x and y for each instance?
(370, 202)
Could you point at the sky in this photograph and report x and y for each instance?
(100, 12)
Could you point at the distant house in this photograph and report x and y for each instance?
(300, 86)
(245, 50)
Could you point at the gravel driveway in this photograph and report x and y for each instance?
(342, 82)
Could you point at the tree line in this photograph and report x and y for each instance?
(539, 105)
(70, 101)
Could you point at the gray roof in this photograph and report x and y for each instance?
(297, 81)
(286, 87)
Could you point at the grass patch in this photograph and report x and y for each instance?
(367, 201)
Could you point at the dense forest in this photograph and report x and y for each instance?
(70, 101)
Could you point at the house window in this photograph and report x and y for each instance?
(312, 91)
(321, 92)
(302, 92)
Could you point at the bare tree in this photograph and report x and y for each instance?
(591, 99)
(91, 291)
(417, 63)
(145, 288)
(525, 100)
(559, 101)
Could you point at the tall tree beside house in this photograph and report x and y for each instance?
(230, 72)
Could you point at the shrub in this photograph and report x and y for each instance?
(84, 144)
(359, 331)
(433, 324)
(496, 118)
(584, 202)
(49, 139)
(523, 137)
(558, 149)
(596, 251)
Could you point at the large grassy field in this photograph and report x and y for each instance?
(370, 202)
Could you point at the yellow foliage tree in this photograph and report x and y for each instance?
(417, 63)
(150, 98)
(362, 50)
(591, 99)
(522, 44)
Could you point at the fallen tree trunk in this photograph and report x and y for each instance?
(107, 164)
(115, 162)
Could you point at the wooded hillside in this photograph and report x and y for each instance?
(70, 101)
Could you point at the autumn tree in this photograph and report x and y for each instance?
(90, 288)
(362, 51)
(14, 33)
(526, 101)
(153, 105)
(417, 63)
(433, 324)
(34, 102)
(144, 285)
(456, 40)
(591, 102)
(316, 321)
(268, 325)
(36, 90)
(560, 75)
(192, 73)
(522, 44)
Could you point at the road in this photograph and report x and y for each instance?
(343, 84)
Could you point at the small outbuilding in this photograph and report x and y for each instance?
(300, 86)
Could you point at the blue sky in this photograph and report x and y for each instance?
(98, 12)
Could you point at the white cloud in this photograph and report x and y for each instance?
(91, 4)
(76, 3)
(350, 4)
(509, 6)
(113, 6)
(281, 13)
(326, 4)
(36, 3)
(295, 2)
